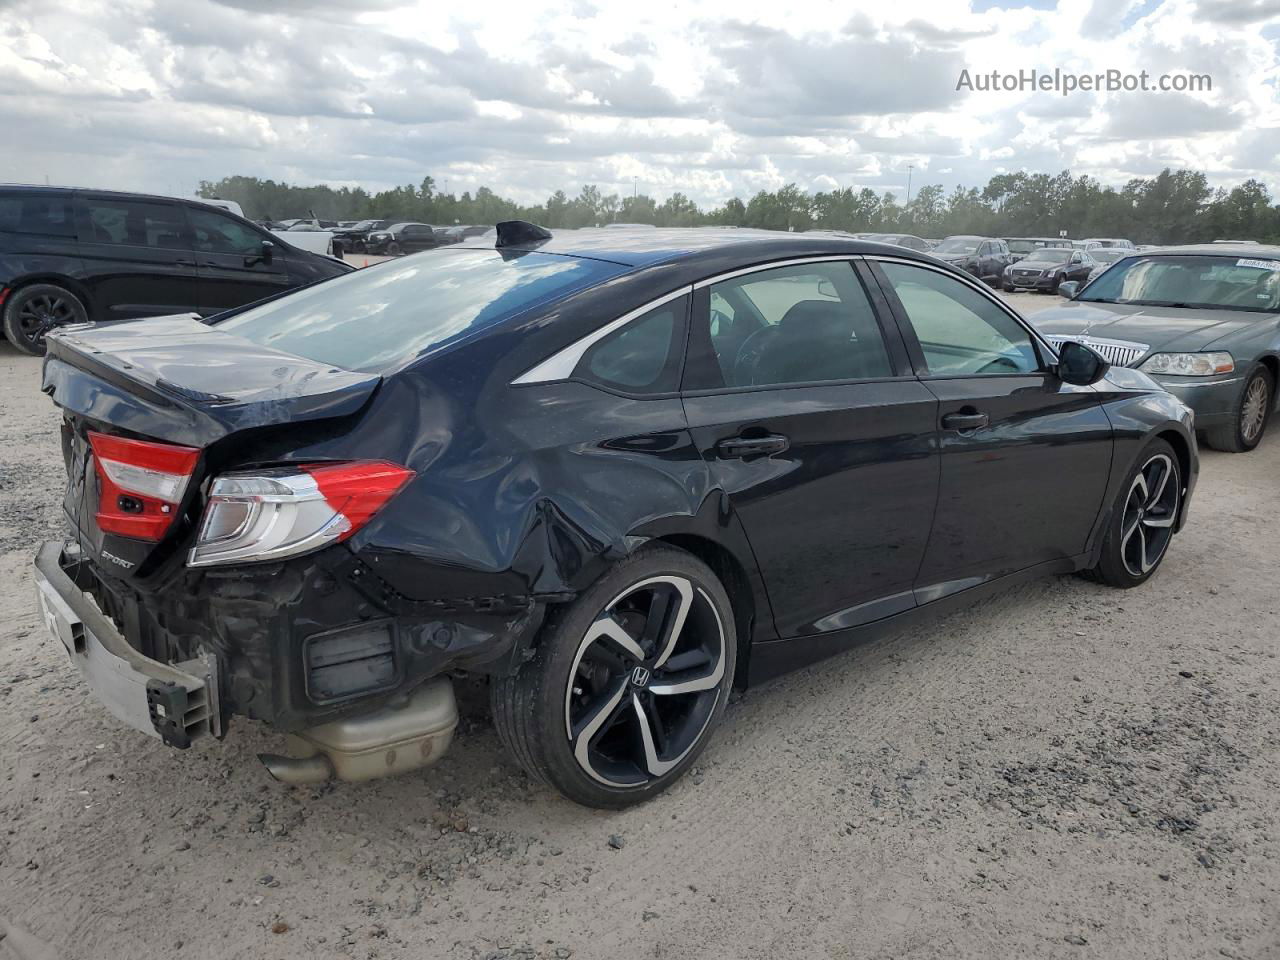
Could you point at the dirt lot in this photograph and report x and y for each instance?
(1066, 771)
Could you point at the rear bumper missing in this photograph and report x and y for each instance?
(176, 703)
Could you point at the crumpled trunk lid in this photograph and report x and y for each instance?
(175, 380)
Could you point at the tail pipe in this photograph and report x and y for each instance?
(410, 732)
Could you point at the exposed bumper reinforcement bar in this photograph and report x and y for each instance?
(177, 703)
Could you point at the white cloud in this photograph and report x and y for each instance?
(535, 95)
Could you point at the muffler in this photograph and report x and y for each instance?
(409, 732)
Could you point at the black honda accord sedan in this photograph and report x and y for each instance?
(616, 473)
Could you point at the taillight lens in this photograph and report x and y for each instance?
(270, 514)
(140, 484)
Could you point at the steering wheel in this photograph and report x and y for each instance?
(749, 354)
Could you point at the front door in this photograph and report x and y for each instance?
(137, 257)
(821, 437)
(235, 268)
(1025, 457)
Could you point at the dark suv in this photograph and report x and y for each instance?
(983, 257)
(67, 256)
(403, 238)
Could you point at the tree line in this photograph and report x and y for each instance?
(1176, 206)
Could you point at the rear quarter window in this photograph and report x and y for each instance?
(41, 215)
(383, 316)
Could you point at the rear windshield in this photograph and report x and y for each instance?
(382, 316)
(1228, 283)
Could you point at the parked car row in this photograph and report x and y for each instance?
(395, 237)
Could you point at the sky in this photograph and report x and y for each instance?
(713, 99)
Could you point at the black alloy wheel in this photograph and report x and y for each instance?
(1143, 520)
(35, 310)
(626, 684)
(645, 681)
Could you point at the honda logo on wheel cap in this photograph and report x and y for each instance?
(640, 676)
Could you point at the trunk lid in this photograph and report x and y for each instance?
(176, 380)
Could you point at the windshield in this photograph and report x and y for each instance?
(1229, 283)
(377, 318)
(957, 245)
(1022, 246)
(1052, 253)
(1108, 256)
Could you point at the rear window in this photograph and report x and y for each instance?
(379, 317)
(42, 215)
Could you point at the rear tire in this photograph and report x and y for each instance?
(35, 310)
(601, 712)
(1141, 525)
(1252, 414)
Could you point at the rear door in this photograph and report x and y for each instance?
(234, 266)
(1024, 457)
(805, 407)
(137, 256)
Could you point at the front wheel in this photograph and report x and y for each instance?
(393, 249)
(1008, 287)
(1143, 519)
(35, 310)
(1249, 421)
(626, 684)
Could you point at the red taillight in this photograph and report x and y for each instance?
(358, 490)
(288, 511)
(140, 484)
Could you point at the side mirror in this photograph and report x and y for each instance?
(268, 251)
(1068, 288)
(1080, 365)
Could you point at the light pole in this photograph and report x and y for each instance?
(910, 167)
(635, 187)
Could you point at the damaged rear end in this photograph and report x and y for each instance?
(316, 511)
(213, 488)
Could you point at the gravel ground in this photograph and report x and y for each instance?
(1065, 771)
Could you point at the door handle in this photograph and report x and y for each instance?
(739, 448)
(965, 421)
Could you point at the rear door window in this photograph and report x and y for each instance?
(800, 324)
(135, 223)
(37, 214)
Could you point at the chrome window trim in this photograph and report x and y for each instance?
(774, 265)
(560, 365)
(981, 288)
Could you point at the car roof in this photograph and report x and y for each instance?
(44, 188)
(644, 247)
